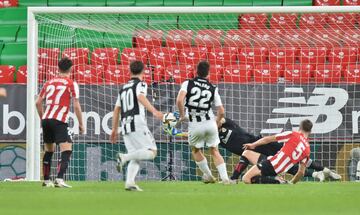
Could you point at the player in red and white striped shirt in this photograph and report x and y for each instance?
(296, 150)
(58, 93)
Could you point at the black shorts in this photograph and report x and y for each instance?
(55, 131)
(269, 149)
(266, 168)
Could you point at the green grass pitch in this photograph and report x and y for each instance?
(180, 198)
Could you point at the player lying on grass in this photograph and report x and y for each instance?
(57, 94)
(296, 150)
(233, 138)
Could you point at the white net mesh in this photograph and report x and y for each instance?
(273, 70)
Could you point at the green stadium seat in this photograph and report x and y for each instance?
(120, 41)
(208, 2)
(238, 3)
(267, 2)
(193, 21)
(110, 20)
(89, 39)
(178, 3)
(62, 3)
(120, 2)
(13, 16)
(22, 34)
(8, 33)
(163, 21)
(14, 54)
(224, 21)
(130, 22)
(52, 37)
(33, 3)
(297, 2)
(93, 3)
(149, 2)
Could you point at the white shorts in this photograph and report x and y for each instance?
(203, 133)
(139, 140)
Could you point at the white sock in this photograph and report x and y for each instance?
(222, 171)
(132, 170)
(203, 166)
(142, 154)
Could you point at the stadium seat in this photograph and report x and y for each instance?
(131, 54)
(192, 56)
(326, 2)
(163, 57)
(352, 74)
(105, 56)
(223, 56)
(54, 40)
(58, 3)
(313, 21)
(29, 3)
(252, 56)
(266, 73)
(14, 54)
(351, 2)
(13, 16)
(148, 39)
(216, 74)
(179, 73)
(282, 56)
(178, 3)
(92, 3)
(327, 38)
(328, 73)
(283, 21)
(21, 75)
(193, 21)
(352, 38)
(116, 74)
(297, 38)
(79, 56)
(8, 33)
(116, 3)
(297, 2)
(313, 56)
(343, 56)
(238, 73)
(22, 34)
(118, 40)
(268, 37)
(46, 73)
(253, 21)
(237, 3)
(298, 73)
(224, 21)
(179, 39)
(238, 38)
(149, 2)
(163, 22)
(89, 38)
(342, 21)
(132, 22)
(48, 57)
(8, 3)
(89, 74)
(208, 38)
(7, 73)
(208, 2)
(267, 2)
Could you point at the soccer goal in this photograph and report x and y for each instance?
(274, 67)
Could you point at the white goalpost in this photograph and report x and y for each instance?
(273, 70)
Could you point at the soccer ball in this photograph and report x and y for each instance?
(12, 162)
(169, 120)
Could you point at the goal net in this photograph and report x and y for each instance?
(272, 69)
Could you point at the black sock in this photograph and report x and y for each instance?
(239, 168)
(47, 164)
(316, 166)
(264, 180)
(63, 163)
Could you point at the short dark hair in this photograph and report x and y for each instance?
(64, 65)
(203, 69)
(136, 67)
(306, 125)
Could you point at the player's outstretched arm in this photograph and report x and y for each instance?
(78, 113)
(39, 106)
(262, 141)
(115, 124)
(180, 104)
(220, 115)
(300, 173)
(144, 101)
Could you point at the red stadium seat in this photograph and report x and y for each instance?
(132, 54)
(117, 74)
(192, 56)
(222, 56)
(179, 73)
(283, 21)
(48, 56)
(343, 56)
(268, 37)
(105, 56)
(326, 2)
(312, 56)
(282, 56)
(266, 73)
(298, 73)
(163, 56)
(343, 21)
(352, 38)
(7, 74)
(79, 56)
(209, 38)
(313, 21)
(8, 3)
(330, 73)
(297, 38)
(253, 21)
(351, 2)
(251, 56)
(21, 75)
(148, 39)
(352, 74)
(327, 38)
(216, 73)
(45, 73)
(89, 74)
(238, 38)
(179, 39)
(238, 73)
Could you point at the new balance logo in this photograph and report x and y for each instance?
(323, 102)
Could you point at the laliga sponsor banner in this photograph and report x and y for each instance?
(266, 109)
